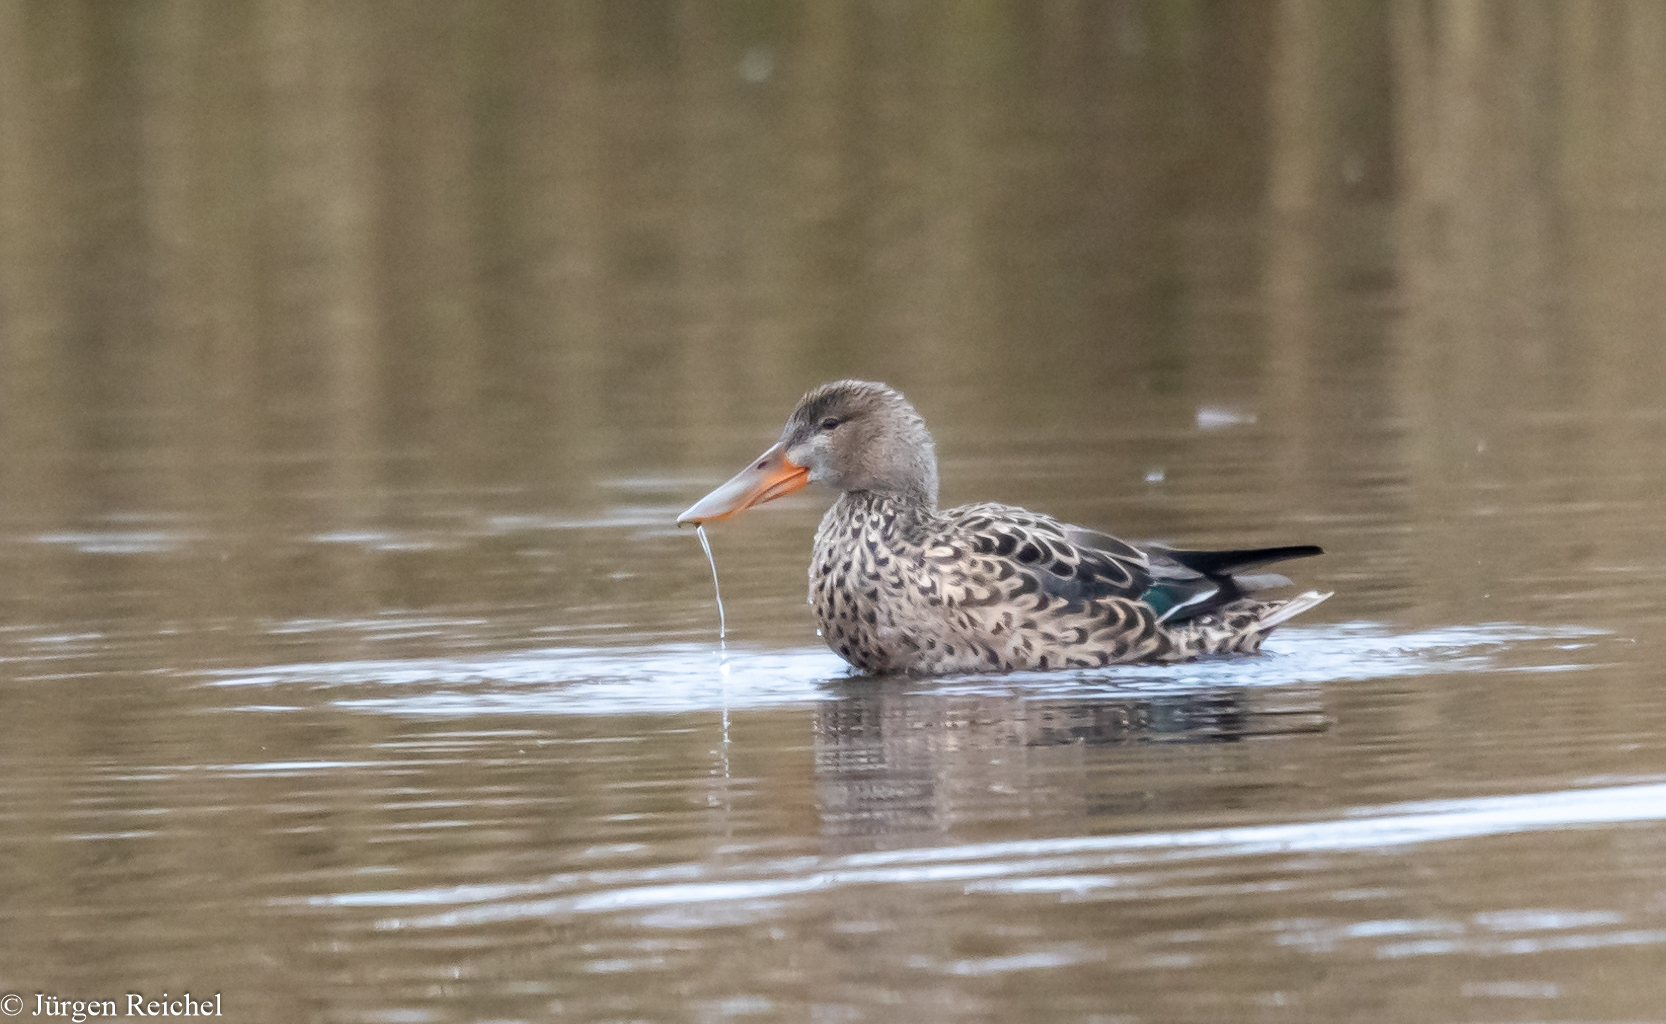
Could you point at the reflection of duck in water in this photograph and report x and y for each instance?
(893, 760)
(901, 586)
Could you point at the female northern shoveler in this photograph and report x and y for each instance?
(899, 586)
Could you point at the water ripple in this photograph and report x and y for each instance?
(1132, 866)
(674, 678)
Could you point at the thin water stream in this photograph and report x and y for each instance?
(717, 589)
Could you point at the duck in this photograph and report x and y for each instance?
(900, 586)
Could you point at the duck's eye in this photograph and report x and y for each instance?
(829, 423)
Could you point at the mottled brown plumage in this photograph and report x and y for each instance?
(900, 586)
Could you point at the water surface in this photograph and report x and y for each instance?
(354, 368)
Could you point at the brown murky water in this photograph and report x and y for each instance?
(355, 360)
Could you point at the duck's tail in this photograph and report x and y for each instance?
(1237, 628)
(1280, 612)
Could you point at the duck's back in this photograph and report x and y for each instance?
(898, 587)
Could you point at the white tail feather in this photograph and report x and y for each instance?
(1290, 609)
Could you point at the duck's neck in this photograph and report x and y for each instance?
(907, 518)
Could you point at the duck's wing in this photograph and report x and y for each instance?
(1075, 564)
(1226, 563)
(1068, 563)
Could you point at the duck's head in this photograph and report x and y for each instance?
(852, 435)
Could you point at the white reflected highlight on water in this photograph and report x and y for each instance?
(381, 540)
(118, 542)
(665, 679)
(1517, 947)
(673, 678)
(1085, 867)
(1511, 989)
(1041, 959)
(1214, 417)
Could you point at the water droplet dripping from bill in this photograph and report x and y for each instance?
(717, 589)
